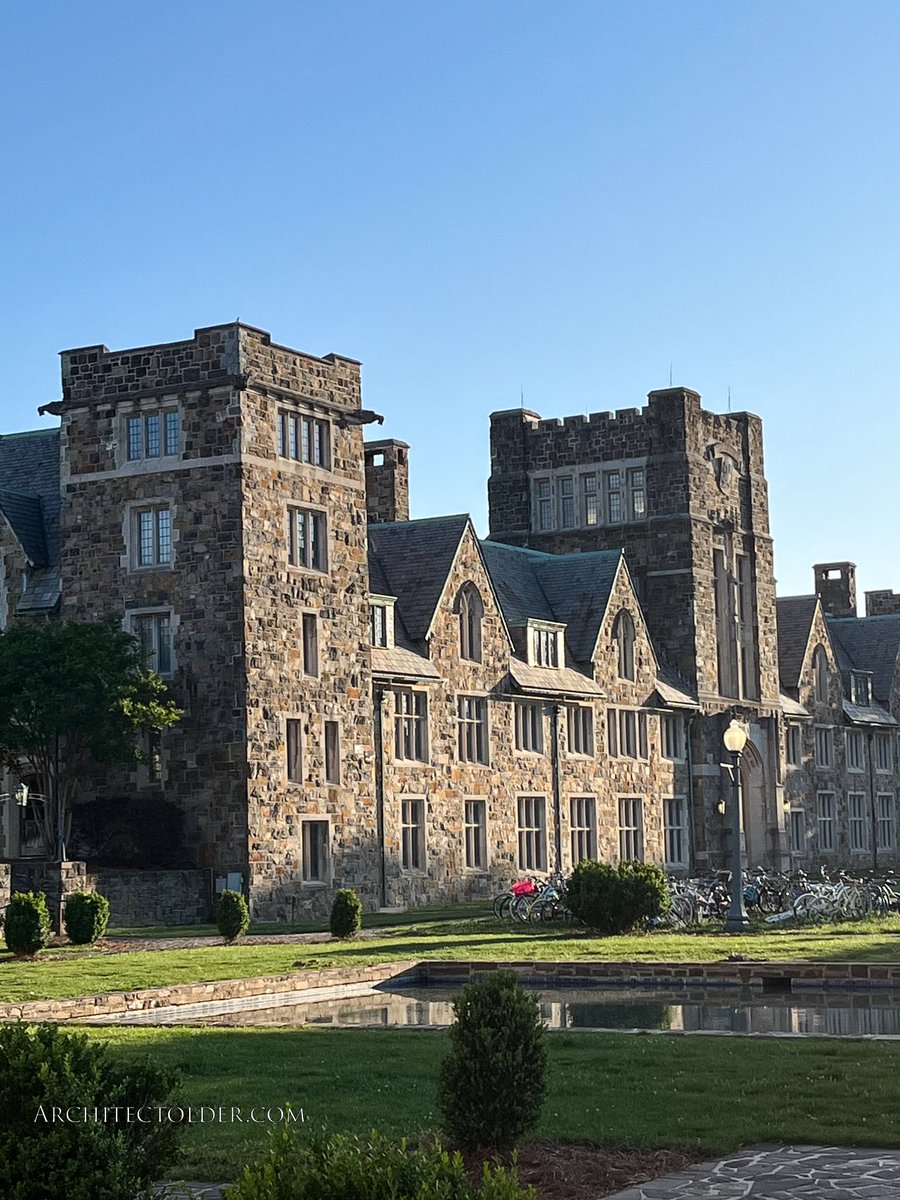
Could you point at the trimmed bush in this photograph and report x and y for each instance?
(45, 1071)
(344, 1167)
(232, 915)
(85, 917)
(613, 900)
(493, 1083)
(346, 914)
(26, 927)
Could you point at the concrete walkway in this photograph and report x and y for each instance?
(781, 1173)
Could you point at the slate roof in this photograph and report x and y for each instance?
(563, 681)
(27, 522)
(794, 615)
(397, 661)
(868, 644)
(29, 483)
(868, 714)
(412, 560)
(571, 589)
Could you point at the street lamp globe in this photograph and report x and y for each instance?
(735, 737)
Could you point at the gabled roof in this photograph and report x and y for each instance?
(868, 644)
(412, 560)
(794, 616)
(29, 483)
(572, 589)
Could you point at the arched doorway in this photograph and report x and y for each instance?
(754, 815)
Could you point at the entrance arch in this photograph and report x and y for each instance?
(754, 816)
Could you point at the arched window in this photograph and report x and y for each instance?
(470, 607)
(623, 635)
(820, 675)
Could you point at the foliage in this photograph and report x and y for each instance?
(45, 1071)
(74, 693)
(344, 1167)
(494, 1080)
(26, 926)
(232, 915)
(129, 831)
(613, 900)
(85, 917)
(346, 914)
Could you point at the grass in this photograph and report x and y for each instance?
(651, 1091)
(873, 940)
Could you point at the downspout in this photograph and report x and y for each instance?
(379, 794)
(689, 763)
(870, 740)
(557, 788)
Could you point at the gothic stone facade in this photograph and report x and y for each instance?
(396, 706)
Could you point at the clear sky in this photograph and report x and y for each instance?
(477, 197)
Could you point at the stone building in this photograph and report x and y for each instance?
(401, 707)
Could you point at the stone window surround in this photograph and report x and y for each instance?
(886, 823)
(826, 817)
(797, 827)
(632, 832)
(883, 765)
(623, 637)
(519, 703)
(292, 507)
(679, 736)
(486, 829)
(302, 732)
(820, 674)
(571, 718)
(143, 408)
(285, 411)
(822, 743)
(684, 826)
(859, 822)
(414, 763)
(156, 610)
(539, 832)
(326, 782)
(590, 829)
(387, 603)
(421, 832)
(600, 470)
(131, 533)
(308, 818)
(793, 755)
(641, 721)
(470, 694)
(855, 737)
(533, 628)
(145, 778)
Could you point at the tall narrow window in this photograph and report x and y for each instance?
(726, 647)
(293, 750)
(885, 810)
(580, 729)
(154, 756)
(793, 745)
(673, 737)
(546, 647)
(591, 506)
(631, 829)
(857, 818)
(884, 759)
(855, 750)
(825, 814)
(675, 831)
(154, 632)
(583, 828)
(544, 504)
(476, 834)
(306, 539)
(310, 629)
(798, 831)
(412, 833)
(411, 725)
(152, 537)
(471, 611)
(820, 675)
(613, 485)
(529, 721)
(824, 738)
(332, 752)
(532, 833)
(746, 635)
(638, 493)
(152, 435)
(315, 852)
(623, 633)
(567, 503)
(379, 624)
(473, 729)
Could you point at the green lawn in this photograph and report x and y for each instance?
(716, 1093)
(874, 940)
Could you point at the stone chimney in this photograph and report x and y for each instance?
(836, 587)
(387, 480)
(882, 604)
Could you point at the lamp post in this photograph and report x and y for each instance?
(735, 739)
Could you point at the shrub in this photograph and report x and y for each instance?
(346, 914)
(344, 1167)
(232, 915)
(26, 927)
(494, 1080)
(85, 917)
(615, 899)
(43, 1068)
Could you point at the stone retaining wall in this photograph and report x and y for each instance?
(155, 897)
(5, 875)
(777, 976)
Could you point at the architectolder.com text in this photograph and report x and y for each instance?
(148, 1114)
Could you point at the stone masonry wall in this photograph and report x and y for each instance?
(387, 480)
(277, 596)
(882, 603)
(154, 897)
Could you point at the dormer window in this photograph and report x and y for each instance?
(545, 644)
(860, 688)
(381, 621)
(470, 607)
(623, 635)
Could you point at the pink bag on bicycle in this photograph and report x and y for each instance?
(523, 888)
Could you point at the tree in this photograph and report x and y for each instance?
(73, 694)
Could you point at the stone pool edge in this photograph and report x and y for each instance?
(329, 981)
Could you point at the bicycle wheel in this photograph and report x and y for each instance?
(501, 905)
(520, 907)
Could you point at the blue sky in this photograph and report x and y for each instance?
(478, 198)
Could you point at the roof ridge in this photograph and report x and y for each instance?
(5, 437)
